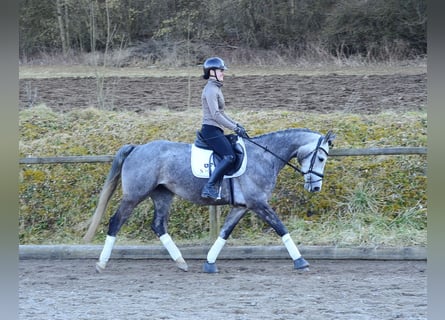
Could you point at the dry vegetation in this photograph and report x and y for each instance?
(358, 45)
(365, 200)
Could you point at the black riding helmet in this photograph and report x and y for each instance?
(213, 64)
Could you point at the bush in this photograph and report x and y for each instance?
(180, 30)
(379, 30)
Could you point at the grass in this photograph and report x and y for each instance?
(351, 66)
(373, 201)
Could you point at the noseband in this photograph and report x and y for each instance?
(314, 157)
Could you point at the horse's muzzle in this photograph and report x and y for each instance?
(313, 186)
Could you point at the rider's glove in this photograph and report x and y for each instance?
(241, 131)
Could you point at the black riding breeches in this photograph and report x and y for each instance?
(215, 138)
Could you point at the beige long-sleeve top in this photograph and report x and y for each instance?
(213, 106)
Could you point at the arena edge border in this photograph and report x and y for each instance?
(63, 252)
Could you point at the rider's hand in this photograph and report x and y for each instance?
(241, 131)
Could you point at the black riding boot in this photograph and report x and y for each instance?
(210, 190)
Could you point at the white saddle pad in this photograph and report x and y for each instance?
(202, 161)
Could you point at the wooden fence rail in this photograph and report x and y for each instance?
(214, 211)
(333, 153)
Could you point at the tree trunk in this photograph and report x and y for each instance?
(92, 27)
(59, 6)
(67, 29)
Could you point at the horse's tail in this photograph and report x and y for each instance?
(108, 189)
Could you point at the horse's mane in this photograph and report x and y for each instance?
(284, 131)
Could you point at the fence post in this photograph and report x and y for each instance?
(214, 219)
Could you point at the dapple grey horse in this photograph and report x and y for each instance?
(161, 169)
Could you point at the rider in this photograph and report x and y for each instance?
(214, 121)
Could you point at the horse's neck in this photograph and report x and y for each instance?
(286, 143)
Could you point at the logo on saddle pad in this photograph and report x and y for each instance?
(203, 160)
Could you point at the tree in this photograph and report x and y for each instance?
(60, 6)
(376, 28)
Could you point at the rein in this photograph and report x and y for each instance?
(290, 164)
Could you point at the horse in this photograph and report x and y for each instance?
(161, 170)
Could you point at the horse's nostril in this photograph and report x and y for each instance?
(316, 189)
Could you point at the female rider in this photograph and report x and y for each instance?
(214, 121)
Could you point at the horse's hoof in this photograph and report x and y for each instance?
(181, 264)
(100, 267)
(301, 264)
(209, 267)
(304, 270)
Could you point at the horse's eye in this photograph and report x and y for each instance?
(321, 159)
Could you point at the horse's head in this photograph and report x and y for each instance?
(312, 158)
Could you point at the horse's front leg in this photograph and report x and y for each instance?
(270, 216)
(230, 222)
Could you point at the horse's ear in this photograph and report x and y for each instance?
(329, 138)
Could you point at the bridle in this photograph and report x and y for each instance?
(314, 157)
(311, 167)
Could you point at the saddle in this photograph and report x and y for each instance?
(204, 160)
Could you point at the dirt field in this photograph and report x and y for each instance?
(326, 93)
(244, 289)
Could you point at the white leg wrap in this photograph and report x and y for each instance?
(215, 250)
(171, 247)
(106, 251)
(291, 247)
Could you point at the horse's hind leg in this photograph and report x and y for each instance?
(162, 199)
(231, 221)
(116, 222)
